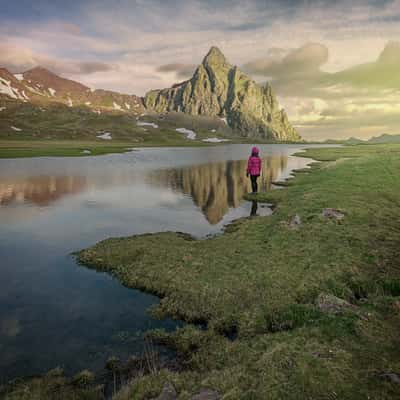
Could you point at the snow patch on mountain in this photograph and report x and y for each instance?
(128, 106)
(105, 136)
(143, 123)
(215, 140)
(191, 135)
(5, 88)
(52, 91)
(116, 106)
(20, 77)
(33, 90)
(70, 103)
(16, 129)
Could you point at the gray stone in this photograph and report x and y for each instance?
(207, 395)
(333, 213)
(295, 222)
(331, 304)
(391, 377)
(168, 393)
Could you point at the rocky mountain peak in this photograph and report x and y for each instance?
(218, 89)
(214, 57)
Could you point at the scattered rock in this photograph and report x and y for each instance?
(332, 304)
(333, 213)
(391, 377)
(325, 354)
(207, 395)
(295, 222)
(168, 393)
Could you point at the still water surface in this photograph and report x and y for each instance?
(56, 313)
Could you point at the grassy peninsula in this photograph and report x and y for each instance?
(293, 311)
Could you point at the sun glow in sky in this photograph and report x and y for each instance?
(333, 65)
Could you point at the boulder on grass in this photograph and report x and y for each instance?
(333, 305)
(207, 395)
(333, 213)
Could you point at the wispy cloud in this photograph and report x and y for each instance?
(180, 70)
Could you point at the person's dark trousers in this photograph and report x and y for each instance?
(254, 185)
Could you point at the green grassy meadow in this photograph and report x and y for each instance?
(32, 130)
(51, 129)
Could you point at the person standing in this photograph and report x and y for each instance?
(254, 168)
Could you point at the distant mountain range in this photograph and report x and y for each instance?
(381, 139)
(217, 89)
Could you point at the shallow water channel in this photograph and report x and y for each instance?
(56, 313)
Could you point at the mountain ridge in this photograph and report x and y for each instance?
(40, 85)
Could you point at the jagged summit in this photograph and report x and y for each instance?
(214, 57)
(218, 89)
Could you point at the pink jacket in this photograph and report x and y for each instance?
(254, 165)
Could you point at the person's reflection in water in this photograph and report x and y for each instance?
(254, 207)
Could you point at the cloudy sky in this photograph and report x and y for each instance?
(333, 65)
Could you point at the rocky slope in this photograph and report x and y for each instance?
(41, 85)
(222, 90)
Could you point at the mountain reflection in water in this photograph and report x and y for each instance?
(40, 190)
(216, 187)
